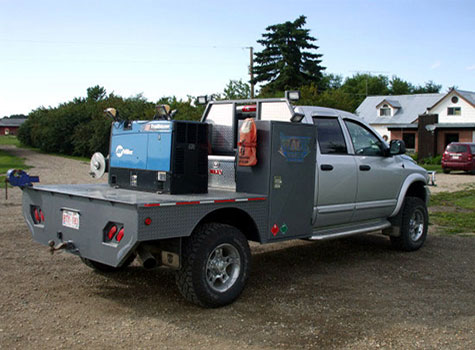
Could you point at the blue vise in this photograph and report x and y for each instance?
(17, 177)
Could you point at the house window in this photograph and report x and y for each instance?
(410, 140)
(454, 111)
(385, 111)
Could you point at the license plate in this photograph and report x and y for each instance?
(456, 156)
(71, 219)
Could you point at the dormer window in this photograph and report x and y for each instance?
(385, 111)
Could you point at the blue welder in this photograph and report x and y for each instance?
(165, 156)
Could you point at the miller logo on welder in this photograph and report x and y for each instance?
(166, 156)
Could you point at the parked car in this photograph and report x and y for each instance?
(459, 156)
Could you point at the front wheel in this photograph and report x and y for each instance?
(415, 221)
(446, 171)
(215, 265)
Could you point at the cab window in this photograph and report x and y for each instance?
(330, 136)
(365, 143)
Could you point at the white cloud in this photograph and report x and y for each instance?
(472, 67)
(435, 65)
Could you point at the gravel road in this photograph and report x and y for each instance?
(355, 293)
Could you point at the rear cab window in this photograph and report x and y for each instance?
(330, 136)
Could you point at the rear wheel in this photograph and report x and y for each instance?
(446, 171)
(100, 267)
(415, 221)
(215, 265)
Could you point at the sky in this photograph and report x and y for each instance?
(51, 51)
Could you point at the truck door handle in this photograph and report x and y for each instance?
(326, 167)
(365, 168)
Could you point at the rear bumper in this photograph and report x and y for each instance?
(88, 240)
(458, 165)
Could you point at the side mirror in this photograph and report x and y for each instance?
(397, 147)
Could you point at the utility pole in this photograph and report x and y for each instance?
(251, 69)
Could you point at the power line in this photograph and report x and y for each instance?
(181, 45)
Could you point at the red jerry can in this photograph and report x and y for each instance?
(247, 143)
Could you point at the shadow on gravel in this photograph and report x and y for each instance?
(334, 291)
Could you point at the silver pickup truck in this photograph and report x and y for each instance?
(321, 174)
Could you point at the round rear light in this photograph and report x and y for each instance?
(148, 221)
(112, 232)
(120, 235)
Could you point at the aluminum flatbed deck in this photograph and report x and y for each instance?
(105, 192)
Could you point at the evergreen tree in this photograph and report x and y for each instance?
(288, 59)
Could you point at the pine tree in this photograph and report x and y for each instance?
(288, 59)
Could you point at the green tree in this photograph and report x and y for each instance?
(400, 87)
(236, 89)
(331, 81)
(96, 93)
(429, 87)
(288, 59)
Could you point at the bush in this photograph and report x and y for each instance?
(80, 128)
(437, 160)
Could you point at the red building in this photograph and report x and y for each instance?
(10, 126)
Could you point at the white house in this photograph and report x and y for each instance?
(451, 116)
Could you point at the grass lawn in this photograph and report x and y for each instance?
(454, 212)
(7, 162)
(12, 140)
(432, 167)
(9, 140)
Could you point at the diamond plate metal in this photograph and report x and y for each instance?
(180, 220)
(222, 172)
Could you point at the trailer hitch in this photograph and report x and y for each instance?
(68, 245)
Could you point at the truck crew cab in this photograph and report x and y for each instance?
(321, 174)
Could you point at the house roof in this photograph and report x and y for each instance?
(437, 126)
(11, 122)
(468, 96)
(410, 108)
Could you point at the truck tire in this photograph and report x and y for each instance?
(415, 221)
(103, 268)
(215, 265)
(446, 171)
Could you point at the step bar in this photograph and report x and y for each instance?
(342, 232)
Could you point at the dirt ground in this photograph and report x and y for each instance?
(354, 293)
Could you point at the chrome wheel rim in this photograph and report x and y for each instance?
(223, 267)
(416, 225)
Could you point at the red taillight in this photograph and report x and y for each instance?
(469, 157)
(251, 108)
(112, 232)
(37, 215)
(42, 216)
(120, 235)
(148, 221)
